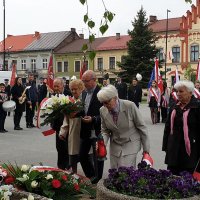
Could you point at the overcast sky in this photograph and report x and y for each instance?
(27, 16)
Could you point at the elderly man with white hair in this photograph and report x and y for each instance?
(181, 138)
(122, 123)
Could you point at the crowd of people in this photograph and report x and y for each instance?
(112, 111)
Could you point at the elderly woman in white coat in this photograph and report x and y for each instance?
(122, 123)
(72, 125)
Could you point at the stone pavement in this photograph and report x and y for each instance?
(29, 146)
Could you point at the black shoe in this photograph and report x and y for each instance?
(94, 180)
(18, 128)
(28, 126)
(32, 125)
(5, 131)
(2, 131)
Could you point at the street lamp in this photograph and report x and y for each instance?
(166, 35)
(4, 34)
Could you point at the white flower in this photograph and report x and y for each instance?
(30, 197)
(25, 168)
(24, 178)
(34, 184)
(7, 194)
(49, 176)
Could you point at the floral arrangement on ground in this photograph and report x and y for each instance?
(52, 108)
(146, 182)
(49, 182)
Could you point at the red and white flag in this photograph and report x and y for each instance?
(148, 159)
(196, 173)
(46, 130)
(196, 93)
(198, 71)
(50, 77)
(83, 69)
(158, 77)
(13, 75)
(171, 57)
(176, 76)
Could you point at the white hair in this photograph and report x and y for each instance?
(188, 84)
(107, 93)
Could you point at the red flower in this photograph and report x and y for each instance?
(64, 177)
(9, 180)
(56, 183)
(76, 187)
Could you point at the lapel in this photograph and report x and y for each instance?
(122, 113)
(121, 116)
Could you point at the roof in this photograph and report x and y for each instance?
(75, 46)
(160, 25)
(112, 43)
(48, 41)
(99, 44)
(17, 43)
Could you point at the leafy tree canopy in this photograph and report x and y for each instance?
(141, 50)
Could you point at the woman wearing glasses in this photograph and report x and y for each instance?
(122, 123)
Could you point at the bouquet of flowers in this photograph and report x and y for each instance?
(146, 182)
(46, 181)
(52, 108)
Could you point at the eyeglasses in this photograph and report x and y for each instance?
(106, 102)
(86, 81)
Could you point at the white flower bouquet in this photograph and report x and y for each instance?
(53, 107)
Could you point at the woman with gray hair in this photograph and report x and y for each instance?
(181, 138)
(122, 123)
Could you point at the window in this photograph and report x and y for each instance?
(194, 53)
(160, 55)
(33, 65)
(100, 64)
(23, 64)
(59, 66)
(65, 66)
(77, 66)
(44, 63)
(176, 54)
(111, 62)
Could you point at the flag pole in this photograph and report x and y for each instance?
(166, 36)
(4, 35)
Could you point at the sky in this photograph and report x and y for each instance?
(27, 16)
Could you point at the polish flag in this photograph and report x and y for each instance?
(198, 70)
(83, 69)
(171, 57)
(196, 173)
(176, 76)
(46, 130)
(158, 77)
(148, 159)
(50, 77)
(13, 75)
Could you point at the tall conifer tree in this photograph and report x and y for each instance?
(141, 50)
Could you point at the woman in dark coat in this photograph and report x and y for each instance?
(181, 139)
(16, 93)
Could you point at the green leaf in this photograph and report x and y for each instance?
(105, 14)
(84, 47)
(85, 19)
(110, 16)
(82, 1)
(91, 38)
(92, 55)
(103, 28)
(91, 24)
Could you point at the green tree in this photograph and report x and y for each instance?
(141, 50)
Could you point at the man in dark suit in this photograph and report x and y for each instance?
(121, 88)
(135, 92)
(61, 146)
(90, 127)
(7, 90)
